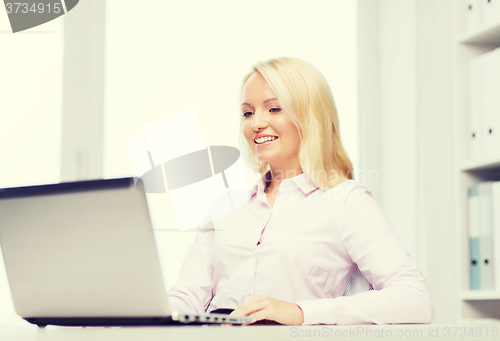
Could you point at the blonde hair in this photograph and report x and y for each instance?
(307, 101)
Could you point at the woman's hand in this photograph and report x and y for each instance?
(263, 307)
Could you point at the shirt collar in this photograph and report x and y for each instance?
(302, 181)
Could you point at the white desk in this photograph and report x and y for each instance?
(259, 333)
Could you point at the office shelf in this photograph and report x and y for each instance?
(480, 295)
(474, 305)
(489, 35)
(482, 164)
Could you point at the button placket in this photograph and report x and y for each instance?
(263, 229)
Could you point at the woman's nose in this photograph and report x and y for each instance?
(258, 121)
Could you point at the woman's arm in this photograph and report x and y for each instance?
(193, 291)
(401, 293)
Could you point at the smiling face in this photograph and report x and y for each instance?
(262, 115)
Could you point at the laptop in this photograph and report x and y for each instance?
(84, 254)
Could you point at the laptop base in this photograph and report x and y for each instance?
(134, 321)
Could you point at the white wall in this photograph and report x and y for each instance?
(405, 115)
(437, 225)
(388, 98)
(175, 56)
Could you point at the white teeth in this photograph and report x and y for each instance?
(264, 139)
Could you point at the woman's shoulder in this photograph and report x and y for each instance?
(348, 188)
(347, 193)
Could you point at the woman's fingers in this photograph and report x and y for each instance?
(255, 304)
(263, 307)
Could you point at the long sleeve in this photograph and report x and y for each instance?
(401, 293)
(194, 289)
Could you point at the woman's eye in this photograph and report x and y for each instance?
(247, 112)
(275, 109)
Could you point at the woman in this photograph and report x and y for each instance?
(288, 253)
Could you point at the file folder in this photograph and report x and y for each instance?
(473, 238)
(490, 89)
(471, 14)
(490, 11)
(474, 118)
(485, 228)
(495, 204)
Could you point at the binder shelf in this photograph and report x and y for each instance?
(476, 63)
(479, 295)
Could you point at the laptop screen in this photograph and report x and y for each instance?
(83, 248)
